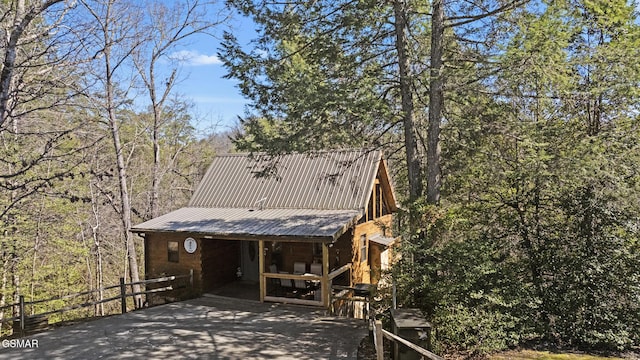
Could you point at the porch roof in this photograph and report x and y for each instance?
(245, 223)
(382, 240)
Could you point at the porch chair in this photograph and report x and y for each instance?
(300, 268)
(316, 269)
(276, 283)
(286, 284)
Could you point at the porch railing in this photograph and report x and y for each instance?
(325, 299)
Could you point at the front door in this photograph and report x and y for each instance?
(249, 260)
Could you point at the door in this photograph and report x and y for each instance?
(250, 261)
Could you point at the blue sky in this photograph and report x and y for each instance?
(217, 101)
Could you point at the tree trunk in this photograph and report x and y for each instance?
(22, 20)
(155, 138)
(125, 206)
(3, 290)
(125, 200)
(408, 114)
(155, 174)
(8, 65)
(436, 98)
(99, 308)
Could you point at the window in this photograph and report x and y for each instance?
(378, 204)
(363, 248)
(317, 252)
(370, 208)
(172, 251)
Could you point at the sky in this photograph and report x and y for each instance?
(217, 101)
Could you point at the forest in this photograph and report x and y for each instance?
(510, 127)
(94, 138)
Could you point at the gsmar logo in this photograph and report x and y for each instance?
(20, 343)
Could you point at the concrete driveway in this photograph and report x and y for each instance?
(203, 328)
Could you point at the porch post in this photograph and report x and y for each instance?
(324, 284)
(263, 283)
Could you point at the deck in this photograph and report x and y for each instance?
(210, 327)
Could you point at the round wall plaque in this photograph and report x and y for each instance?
(190, 245)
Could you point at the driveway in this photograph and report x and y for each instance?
(203, 328)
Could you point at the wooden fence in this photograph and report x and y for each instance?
(379, 333)
(348, 302)
(23, 322)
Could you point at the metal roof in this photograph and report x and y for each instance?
(339, 179)
(382, 240)
(316, 196)
(243, 223)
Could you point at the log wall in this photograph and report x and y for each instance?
(157, 262)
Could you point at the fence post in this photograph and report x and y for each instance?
(377, 336)
(21, 314)
(332, 310)
(123, 295)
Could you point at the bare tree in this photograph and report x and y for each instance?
(14, 36)
(38, 81)
(116, 38)
(168, 27)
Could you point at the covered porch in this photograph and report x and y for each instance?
(293, 272)
(292, 280)
(292, 255)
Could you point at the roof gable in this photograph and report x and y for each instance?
(338, 179)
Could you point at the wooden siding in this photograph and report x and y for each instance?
(157, 263)
(216, 260)
(362, 271)
(375, 263)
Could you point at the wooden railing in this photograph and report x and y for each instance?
(339, 271)
(305, 277)
(379, 333)
(23, 319)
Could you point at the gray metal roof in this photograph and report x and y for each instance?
(382, 240)
(340, 179)
(315, 196)
(243, 223)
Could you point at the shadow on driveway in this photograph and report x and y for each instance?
(203, 328)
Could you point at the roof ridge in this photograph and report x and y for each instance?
(257, 208)
(300, 152)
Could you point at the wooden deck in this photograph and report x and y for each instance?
(204, 328)
(246, 290)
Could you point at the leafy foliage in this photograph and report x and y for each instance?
(536, 236)
(318, 78)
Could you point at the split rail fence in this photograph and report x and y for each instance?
(23, 323)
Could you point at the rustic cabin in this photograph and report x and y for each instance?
(290, 227)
